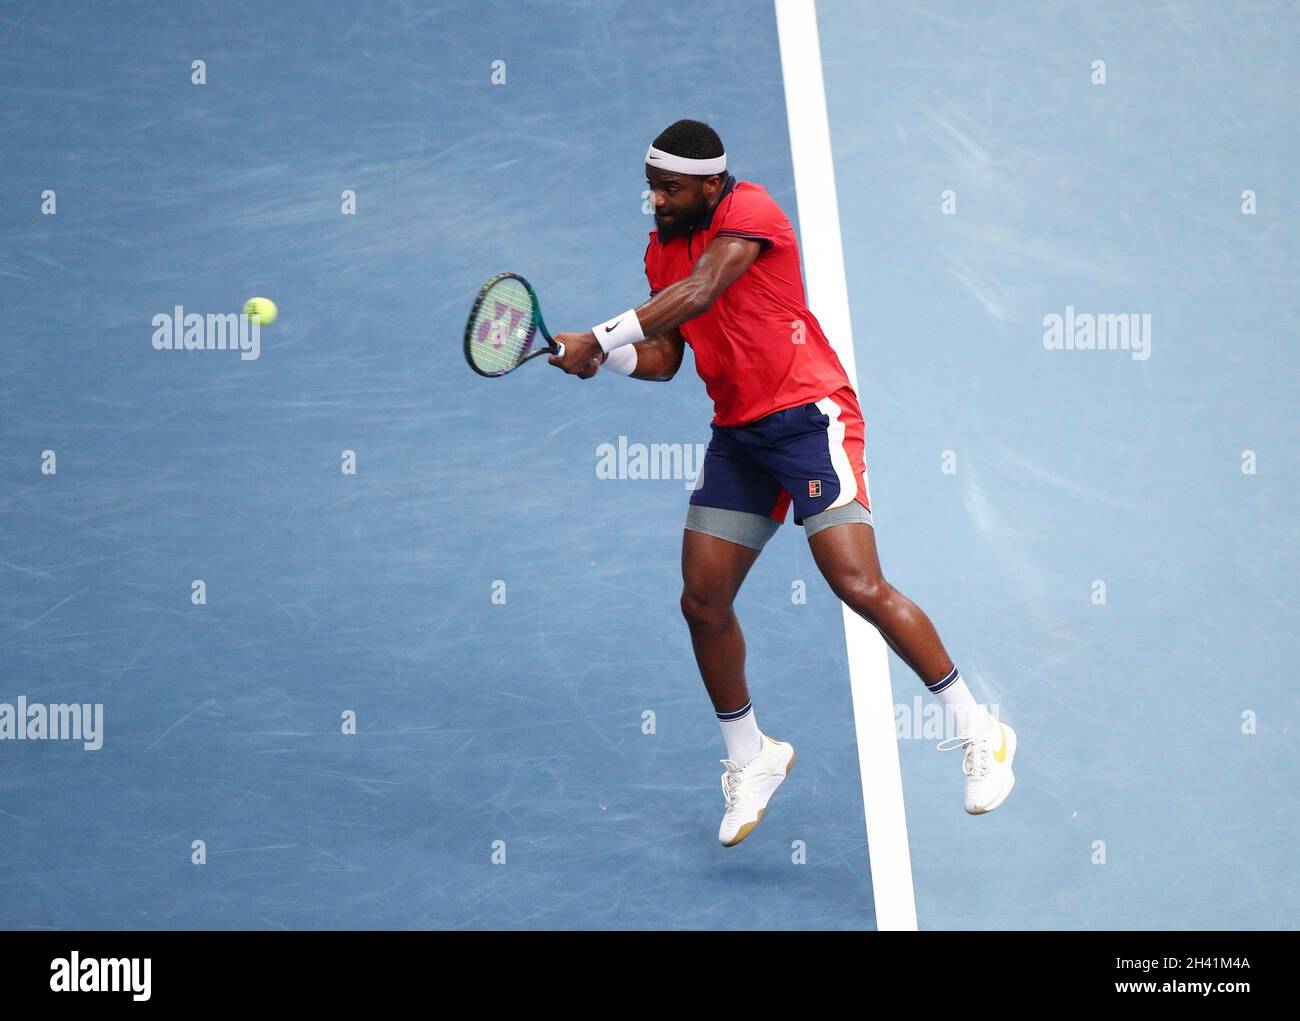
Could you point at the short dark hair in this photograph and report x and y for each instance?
(693, 140)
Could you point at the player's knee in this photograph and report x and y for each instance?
(704, 614)
(866, 594)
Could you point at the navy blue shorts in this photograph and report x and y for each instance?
(811, 456)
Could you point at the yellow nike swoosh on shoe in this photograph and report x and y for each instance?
(1001, 753)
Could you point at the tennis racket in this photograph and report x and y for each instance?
(502, 326)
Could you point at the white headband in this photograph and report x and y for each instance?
(682, 165)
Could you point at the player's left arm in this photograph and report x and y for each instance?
(718, 267)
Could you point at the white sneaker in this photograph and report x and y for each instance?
(748, 788)
(987, 766)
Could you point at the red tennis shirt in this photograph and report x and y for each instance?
(758, 348)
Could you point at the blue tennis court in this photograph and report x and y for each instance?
(377, 643)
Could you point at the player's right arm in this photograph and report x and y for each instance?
(659, 357)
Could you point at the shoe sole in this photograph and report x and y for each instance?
(749, 827)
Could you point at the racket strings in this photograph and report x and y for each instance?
(501, 330)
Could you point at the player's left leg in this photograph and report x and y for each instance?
(818, 453)
(847, 557)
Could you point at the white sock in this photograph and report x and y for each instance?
(970, 717)
(740, 731)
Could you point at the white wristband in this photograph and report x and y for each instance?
(622, 360)
(624, 329)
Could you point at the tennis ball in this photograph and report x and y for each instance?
(261, 311)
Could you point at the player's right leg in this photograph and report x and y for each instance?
(732, 515)
(712, 572)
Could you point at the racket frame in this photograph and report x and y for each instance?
(538, 326)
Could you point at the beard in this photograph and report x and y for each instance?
(681, 224)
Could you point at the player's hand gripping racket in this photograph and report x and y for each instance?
(502, 326)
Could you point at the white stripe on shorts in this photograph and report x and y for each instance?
(839, 456)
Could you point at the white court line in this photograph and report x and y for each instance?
(828, 297)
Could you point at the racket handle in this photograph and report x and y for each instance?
(559, 350)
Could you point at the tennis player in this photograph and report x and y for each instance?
(723, 268)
